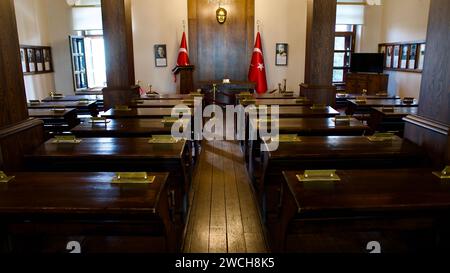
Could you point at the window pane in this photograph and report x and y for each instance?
(339, 43)
(344, 28)
(338, 75)
(339, 59)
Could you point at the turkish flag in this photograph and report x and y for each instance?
(183, 57)
(257, 73)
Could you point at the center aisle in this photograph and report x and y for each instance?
(224, 216)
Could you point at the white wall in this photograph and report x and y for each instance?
(60, 27)
(404, 21)
(283, 21)
(157, 22)
(32, 27)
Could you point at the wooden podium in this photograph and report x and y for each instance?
(185, 84)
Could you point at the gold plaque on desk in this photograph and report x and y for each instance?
(56, 96)
(122, 108)
(133, 178)
(69, 139)
(196, 95)
(35, 102)
(138, 101)
(99, 120)
(301, 100)
(59, 109)
(389, 109)
(286, 139)
(248, 101)
(163, 139)
(317, 107)
(318, 176)
(83, 102)
(445, 174)
(188, 101)
(361, 100)
(4, 178)
(342, 120)
(381, 137)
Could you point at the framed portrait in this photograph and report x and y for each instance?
(160, 55)
(31, 60)
(412, 57)
(281, 54)
(23, 60)
(389, 51)
(404, 58)
(47, 60)
(39, 60)
(396, 58)
(421, 56)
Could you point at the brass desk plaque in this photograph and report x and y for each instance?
(319, 107)
(56, 96)
(66, 140)
(188, 101)
(445, 174)
(4, 178)
(361, 100)
(319, 176)
(342, 120)
(286, 139)
(99, 120)
(138, 101)
(122, 108)
(163, 139)
(246, 93)
(382, 94)
(381, 137)
(133, 178)
(390, 109)
(247, 101)
(170, 120)
(408, 100)
(35, 102)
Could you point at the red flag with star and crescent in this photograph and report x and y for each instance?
(183, 57)
(257, 73)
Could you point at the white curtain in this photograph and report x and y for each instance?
(350, 15)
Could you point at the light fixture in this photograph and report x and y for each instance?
(221, 15)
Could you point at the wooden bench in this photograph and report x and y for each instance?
(56, 122)
(390, 118)
(83, 108)
(43, 212)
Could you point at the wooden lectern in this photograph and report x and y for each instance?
(185, 84)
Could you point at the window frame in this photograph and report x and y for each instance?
(352, 43)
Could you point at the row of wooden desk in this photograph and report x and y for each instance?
(336, 188)
(81, 200)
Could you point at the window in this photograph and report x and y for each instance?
(344, 46)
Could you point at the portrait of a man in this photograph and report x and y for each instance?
(281, 54)
(160, 55)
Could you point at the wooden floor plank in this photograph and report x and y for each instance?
(224, 216)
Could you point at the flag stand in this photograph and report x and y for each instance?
(185, 84)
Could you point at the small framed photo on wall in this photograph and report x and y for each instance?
(404, 59)
(412, 57)
(389, 52)
(281, 54)
(160, 55)
(421, 56)
(47, 60)
(23, 60)
(31, 60)
(396, 56)
(39, 60)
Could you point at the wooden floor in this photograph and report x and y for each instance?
(224, 217)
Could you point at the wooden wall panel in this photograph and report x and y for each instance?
(435, 89)
(221, 51)
(13, 106)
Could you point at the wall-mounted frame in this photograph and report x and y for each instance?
(160, 55)
(36, 59)
(281, 54)
(405, 56)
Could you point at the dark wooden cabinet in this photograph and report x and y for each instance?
(373, 83)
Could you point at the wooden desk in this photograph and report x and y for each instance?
(356, 107)
(281, 102)
(82, 108)
(382, 120)
(140, 113)
(163, 103)
(404, 210)
(306, 112)
(123, 128)
(342, 99)
(75, 98)
(343, 152)
(120, 155)
(42, 212)
(305, 127)
(167, 97)
(56, 122)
